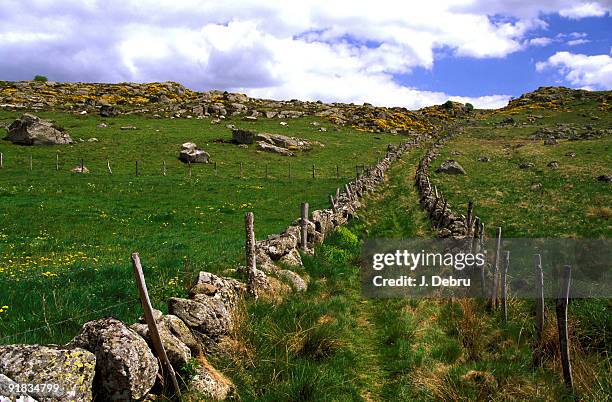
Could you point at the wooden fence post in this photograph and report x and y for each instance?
(539, 323)
(504, 287)
(250, 254)
(442, 214)
(110, 171)
(289, 170)
(148, 314)
(216, 171)
(304, 224)
(1, 160)
(483, 285)
(337, 192)
(164, 168)
(493, 302)
(30, 163)
(266, 171)
(136, 168)
(337, 172)
(313, 171)
(348, 191)
(561, 307)
(56, 161)
(333, 204)
(189, 168)
(83, 167)
(469, 223)
(241, 170)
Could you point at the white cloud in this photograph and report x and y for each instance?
(588, 72)
(583, 10)
(577, 42)
(540, 41)
(313, 49)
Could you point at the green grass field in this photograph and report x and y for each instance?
(66, 238)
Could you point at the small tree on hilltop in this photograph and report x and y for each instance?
(40, 78)
(448, 104)
(469, 107)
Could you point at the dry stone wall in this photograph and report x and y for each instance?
(116, 359)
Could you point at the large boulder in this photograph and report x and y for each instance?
(451, 166)
(243, 136)
(72, 369)
(203, 314)
(190, 153)
(227, 290)
(31, 130)
(125, 367)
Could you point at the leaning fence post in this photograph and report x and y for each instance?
(539, 324)
(250, 254)
(148, 314)
(110, 171)
(468, 223)
(493, 301)
(333, 203)
(347, 189)
(561, 307)
(504, 287)
(304, 225)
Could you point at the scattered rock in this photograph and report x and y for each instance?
(450, 166)
(264, 146)
(536, 186)
(243, 136)
(553, 164)
(108, 111)
(78, 169)
(190, 153)
(102, 125)
(292, 258)
(31, 130)
(526, 165)
(570, 154)
(271, 114)
(550, 141)
(283, 123)
(128, 128)
(125, 367)
(483, 158)
(92, 139)
(72, 368)
(607, 178)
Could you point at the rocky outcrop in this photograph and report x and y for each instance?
(190, 153)
(31, 130)
(72, 369)
(264, 146)
(450, 166)
(125, 367)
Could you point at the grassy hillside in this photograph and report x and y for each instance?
(66, 238)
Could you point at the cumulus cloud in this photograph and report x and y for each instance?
(540, 41)
(588, 72)
(313, 49)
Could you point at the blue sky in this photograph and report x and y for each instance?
(408, 53)
(516, 73)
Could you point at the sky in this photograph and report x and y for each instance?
(390, 53)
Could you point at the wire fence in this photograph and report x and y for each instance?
(97, 166)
